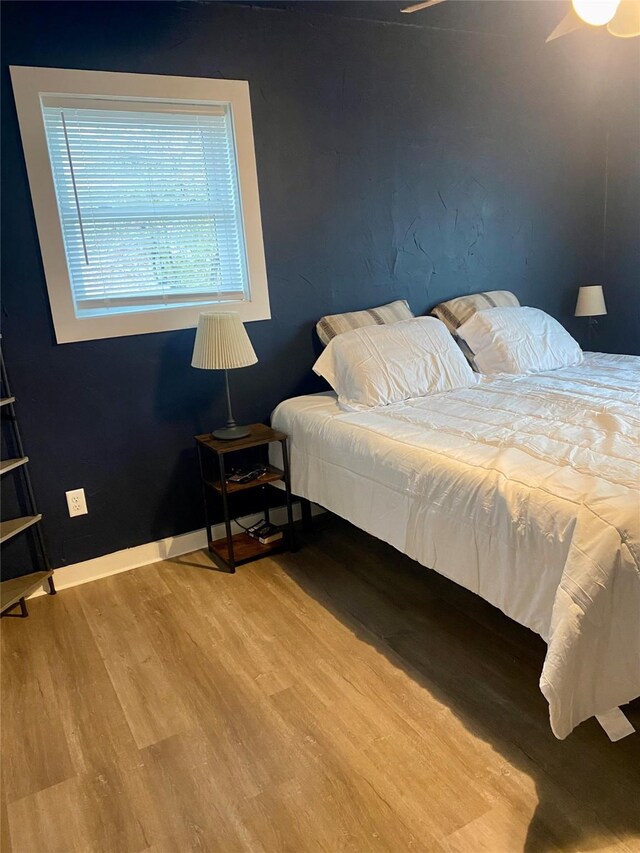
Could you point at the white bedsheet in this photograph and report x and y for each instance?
(525, 490)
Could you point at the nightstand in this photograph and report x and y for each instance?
(235, 549)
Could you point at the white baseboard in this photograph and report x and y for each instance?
(153, 552)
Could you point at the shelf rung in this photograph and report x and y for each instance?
(4, 401)
(13, 590)
(13, 526)
(7, 465)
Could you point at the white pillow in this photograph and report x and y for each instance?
(379, 365)
(518, 340)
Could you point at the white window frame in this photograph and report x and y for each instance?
(29, 85)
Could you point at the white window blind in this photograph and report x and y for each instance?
(149, 203)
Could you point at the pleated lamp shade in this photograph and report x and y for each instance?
(590, 301)
(222, 343)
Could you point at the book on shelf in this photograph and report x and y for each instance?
(269, 539)
(265, 532)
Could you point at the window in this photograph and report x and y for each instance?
(149, 205)
(146, 200)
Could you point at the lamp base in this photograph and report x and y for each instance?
(231, 433)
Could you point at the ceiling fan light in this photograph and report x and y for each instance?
(626, 22)
(595, 12)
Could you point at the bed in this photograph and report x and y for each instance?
(523, 489)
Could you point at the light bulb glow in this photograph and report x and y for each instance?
(595, 12)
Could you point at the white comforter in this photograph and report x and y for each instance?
(525, 490)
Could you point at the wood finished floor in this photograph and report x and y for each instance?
(340, 698)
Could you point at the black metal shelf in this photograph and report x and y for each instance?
(14, 591)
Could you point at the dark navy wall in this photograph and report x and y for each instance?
(620, 330)
(405, 159)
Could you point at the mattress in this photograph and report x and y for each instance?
(525, 490)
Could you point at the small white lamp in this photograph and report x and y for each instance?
(590, 304)
(222, 343)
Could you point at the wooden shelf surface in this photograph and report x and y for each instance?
(272, 474)
(7, 465)
(258, 434)
(4, 401)
(11, 591)
(245, 548)
(13, 526)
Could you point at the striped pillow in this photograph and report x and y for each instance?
(455, 312)
(335, 324)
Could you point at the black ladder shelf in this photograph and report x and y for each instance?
(14, 592)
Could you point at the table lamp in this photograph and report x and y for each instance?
(590, 304)
(222, 343)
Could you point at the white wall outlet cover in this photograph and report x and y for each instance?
(76, 502)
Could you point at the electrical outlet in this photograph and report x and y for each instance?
(76, 502)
